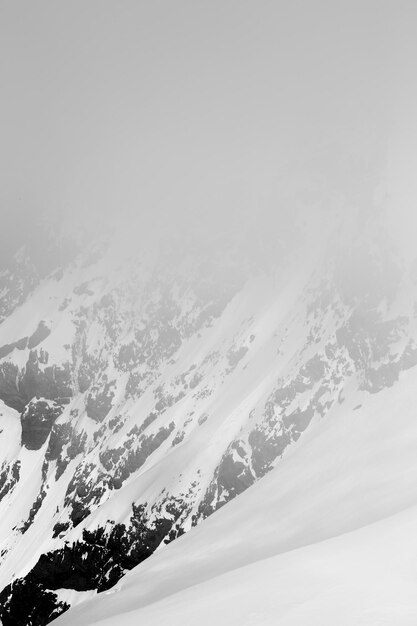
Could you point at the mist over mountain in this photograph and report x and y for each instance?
(208, 313)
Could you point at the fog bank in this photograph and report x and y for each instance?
(204, 119)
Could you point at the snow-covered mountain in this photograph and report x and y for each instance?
(328, 537)
(142, 391)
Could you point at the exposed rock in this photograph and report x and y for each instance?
(37, 420)
(41, 333)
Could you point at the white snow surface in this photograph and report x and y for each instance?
(327, 537)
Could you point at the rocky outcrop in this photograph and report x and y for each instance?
(97, 561)
(37, 420)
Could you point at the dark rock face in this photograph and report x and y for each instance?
(266, 447)
(51, 382)
(99, 401)
(124, 462)
(34, 509)
(26, 603)
(41, 333)
(21, 344)
(9, 391)
(96, 562)
(17, 387)
(234, 475)
(9, 477)
(231, 478)
(37, 420)
(87, 486)
(65, 444)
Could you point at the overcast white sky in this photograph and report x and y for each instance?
(180, 109)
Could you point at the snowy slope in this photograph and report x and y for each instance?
(143, 392)
(267, 558)
(366, 577)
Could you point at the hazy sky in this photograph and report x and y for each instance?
(180, 109)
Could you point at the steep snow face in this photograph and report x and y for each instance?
(327, 537)
(142, 395)
(365, 577)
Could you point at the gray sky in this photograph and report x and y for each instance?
(190, 110)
